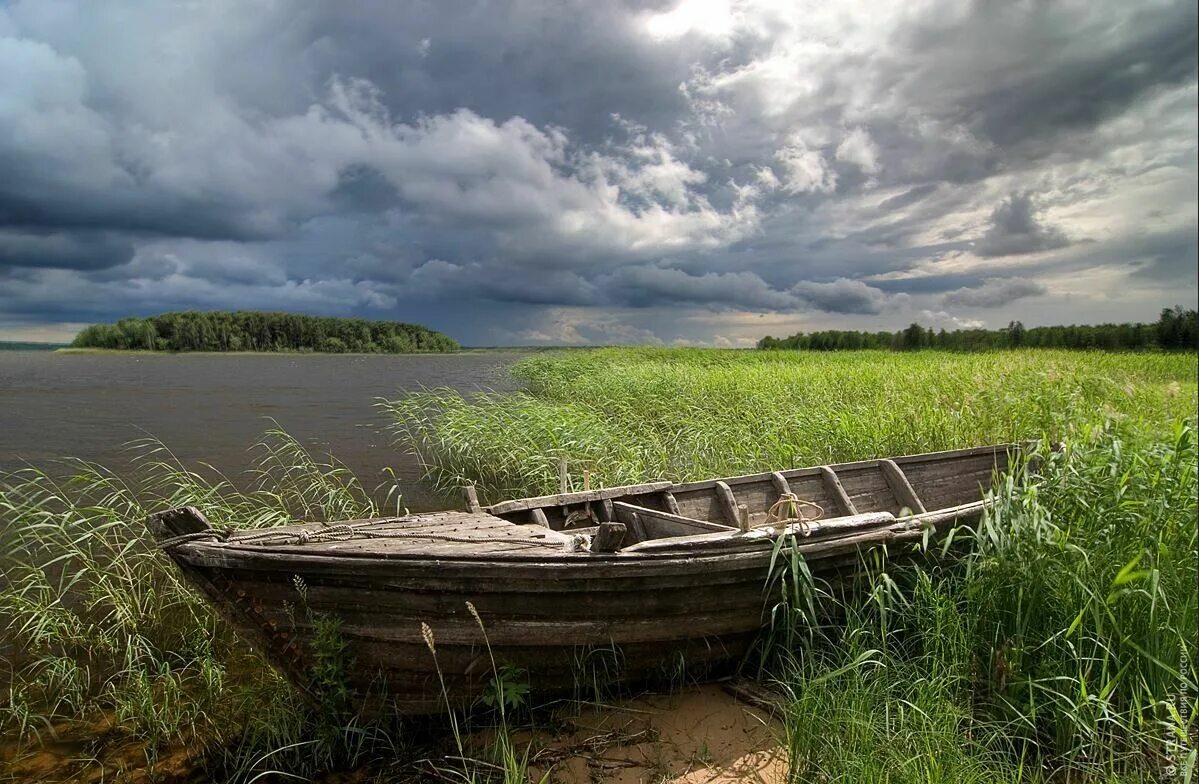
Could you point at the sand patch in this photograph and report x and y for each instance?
(701, 735)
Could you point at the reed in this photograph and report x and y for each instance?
(1057, 642)
(96, 624)
(627, 415)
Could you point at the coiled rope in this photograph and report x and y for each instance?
(794, 506)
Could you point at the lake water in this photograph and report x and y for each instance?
(214, 407)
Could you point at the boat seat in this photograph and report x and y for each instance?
(644, 524)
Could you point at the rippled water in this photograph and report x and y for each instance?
(212, 408)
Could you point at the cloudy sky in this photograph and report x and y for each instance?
(598, 172)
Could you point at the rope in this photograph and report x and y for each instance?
(194, 536)
(793, 505)
(329, 533)
(344, 533)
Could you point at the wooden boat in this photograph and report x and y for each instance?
(624, 583)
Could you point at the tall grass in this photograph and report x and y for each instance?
(1059, 641)
(631, 414)
(96, 622)
(1058, 644)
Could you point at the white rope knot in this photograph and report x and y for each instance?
(304, 536)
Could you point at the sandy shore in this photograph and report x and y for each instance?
(701, 735)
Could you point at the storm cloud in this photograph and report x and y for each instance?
(993, 293)
(602, 171)
(1015, 229)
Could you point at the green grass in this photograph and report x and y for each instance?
(1057, 644)
(95, 622)
(632, 414)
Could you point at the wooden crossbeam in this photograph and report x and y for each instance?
(728, 504)
(833, 486)
(901, 487)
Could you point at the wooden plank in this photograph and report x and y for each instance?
(539, 518)
(820, 530)
(728, 503)
(901, 486)
(635, 529)
(757, 695)
(672, 505)
(656, 523)
(561, 499)
(471, 498)
(608, 538)
(833, 486)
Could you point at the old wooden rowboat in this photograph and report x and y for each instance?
(620, 583)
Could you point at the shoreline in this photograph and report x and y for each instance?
(147, 352)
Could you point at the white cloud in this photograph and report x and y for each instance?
(804, 169)
(859, 149)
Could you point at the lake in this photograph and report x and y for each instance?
(214, 407)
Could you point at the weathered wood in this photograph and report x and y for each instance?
(635, 529)
(756, 694)
(728, 504)
(643, 601)
(833, 486)
(656, 523)
(781, 485)
(743, 518)
(672, 505)
(177, 522)
(471, 497)
(901, 486)
(818, 530)
(563, 499)
(562, 476)
(608, 538)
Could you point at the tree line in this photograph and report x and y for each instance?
(249, 330)
(1176, 330)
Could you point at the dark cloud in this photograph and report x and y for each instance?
(994, 293)
(516, 169)
(1169, 258)
(73, 250)
(844, 296)
(1016, 229)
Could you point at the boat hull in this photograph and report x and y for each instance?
(417, 628)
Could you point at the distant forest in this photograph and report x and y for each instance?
(1176, 330)
(24, 345)
(258, 331)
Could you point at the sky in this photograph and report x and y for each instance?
(702, 172)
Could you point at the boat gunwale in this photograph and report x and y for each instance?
(790, 473)
(658, 486)
(736, 543)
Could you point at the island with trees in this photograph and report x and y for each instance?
(1177, 329)
(248, 330)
